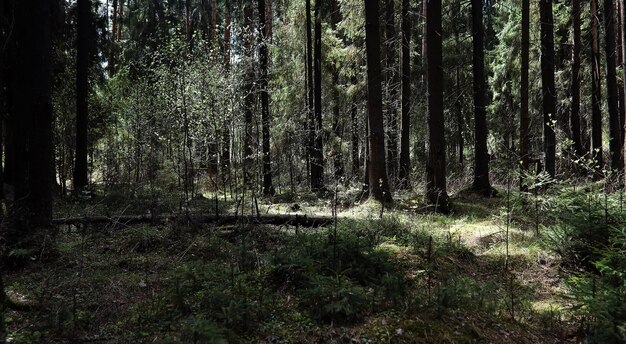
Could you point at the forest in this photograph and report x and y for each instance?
(312, 171)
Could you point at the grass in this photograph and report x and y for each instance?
(410, 277)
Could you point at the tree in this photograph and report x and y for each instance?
(596, 88)
(575, 87)
(317, 158)
(32, 107)
(268, 187)
(310, 93)
(248, 95)
(623, 15)
(378, 183)
(548, 85)
(524, 127)
(82, 93)
(436, 192)
(405, 158)
(392, 94)
(615, 131)
(481, 156)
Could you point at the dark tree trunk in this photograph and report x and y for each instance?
(620, 63)
(310, 93)
(32, 210)
(481, 156)
(225, 163)
(356, 162)
(378, 183)
(436, 192)
(596, 88)
(111, 62)
(623, 16)
(248, 97)
(268, 188)
(548, 85)
(575, 87)
(392, 94)
(405, 158)
(213, 24)
(82, 93)
(615, 132)
(317, 159)
(338, 120)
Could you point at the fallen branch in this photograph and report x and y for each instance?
(292, 220)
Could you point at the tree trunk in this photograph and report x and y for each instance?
(213, 25)
(225, 159)
(405, 158)
(248, 97)
(615, 131)
(620, 63)
(310, 93)
(338, 120)
(436, 192)
(317, 161)
(623, 16)
(524, 128)
(82, 93)
(392, 94)
(575, 87)
(32, 210)
(596, 89)
(481, 156)
(378, 183)
(548, 85)
(268, 187)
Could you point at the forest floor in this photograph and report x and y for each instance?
(410, 277)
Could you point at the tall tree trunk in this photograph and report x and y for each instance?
(615, 131)
(248, 97)
(378, 183)
(114, 21)
(82, 93)
(481, 155)
(310, 96)
(575, 87)
(32, 210)
(268, 187)
(596, 88)
(226, 126)
(338, 121)
(356, 162)
(620, 63)
(405, 158)
(436, 190)
(213, 24)
(548, 85)
(317, 161)
(392, 94)
(623, 16)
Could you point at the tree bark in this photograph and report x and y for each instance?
(548, 85)
(82, 94)
(623, 16)
(310, 96)
(596, 88)
(378, 183)
(317, 159)
(32, 105)
(436, 192)
(225, 159)
(615, 131)
(575, 87)
(481, 156)
(248, 97)
(405, 158)
(268, 187)
(392, 94)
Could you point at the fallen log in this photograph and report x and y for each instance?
(291, 220)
